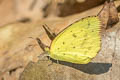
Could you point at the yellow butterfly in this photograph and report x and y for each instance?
(78, 43)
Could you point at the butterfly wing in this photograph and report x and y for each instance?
(79, 42)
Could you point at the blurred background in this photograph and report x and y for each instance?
(17, 50)
(33, 10)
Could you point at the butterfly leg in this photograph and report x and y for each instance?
(49, 32)
(57, 61)
(45, 57)
(52, 63)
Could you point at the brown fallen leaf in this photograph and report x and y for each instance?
(113, 14)
(108, 15)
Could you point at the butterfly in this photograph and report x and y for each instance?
(78, 43)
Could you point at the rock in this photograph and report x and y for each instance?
(104, 67)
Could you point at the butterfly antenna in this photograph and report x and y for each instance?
(49, 32)
(43, 46)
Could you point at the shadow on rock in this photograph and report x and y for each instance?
(90, 68)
